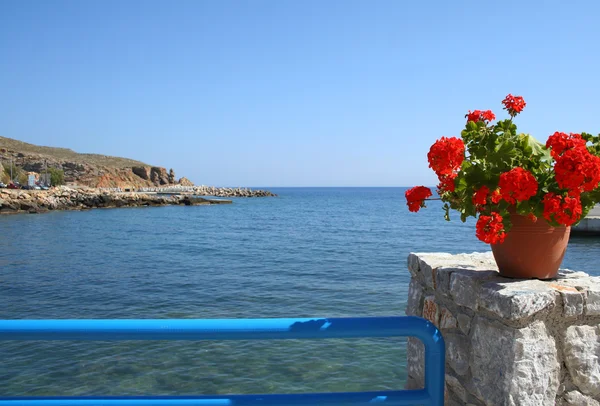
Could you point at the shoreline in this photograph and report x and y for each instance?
(18, 201)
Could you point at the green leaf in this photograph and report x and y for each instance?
(446, 212)
(536, 147)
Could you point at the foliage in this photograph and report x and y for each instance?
(16, 173)
(22, 178)
(494, 171)
(57, 176)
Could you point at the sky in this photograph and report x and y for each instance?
(290, 93)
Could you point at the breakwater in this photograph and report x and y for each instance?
(64, 198)
(209, 191)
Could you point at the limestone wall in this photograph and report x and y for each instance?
(508, 342)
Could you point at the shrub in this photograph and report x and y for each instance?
(57, 176)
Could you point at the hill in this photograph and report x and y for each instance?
(92, 170)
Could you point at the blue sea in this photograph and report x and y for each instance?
(326, 252)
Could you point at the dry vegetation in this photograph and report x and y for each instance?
(68, 155)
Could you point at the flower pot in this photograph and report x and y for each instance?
(531, 249)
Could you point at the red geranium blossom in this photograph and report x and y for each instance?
(446, 183)
(564, 210)
(513, 104)
(577, 170)
(561, 142)
(496, 196)
(446, 155)
(517, 185)
(490, 229)
(479, 115)
(480, 196)
(415, 197)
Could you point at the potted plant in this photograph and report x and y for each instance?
(526, 195)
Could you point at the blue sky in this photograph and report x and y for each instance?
(290, 93)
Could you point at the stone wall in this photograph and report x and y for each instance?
(508, 341)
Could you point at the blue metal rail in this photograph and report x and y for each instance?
(242, 329)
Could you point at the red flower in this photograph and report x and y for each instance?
(480, 196)
(415, 197)
(446, 183)
(446, 155)
(517, 185)
(478, 115)
(532, 217)
(490, 229)
(561, 142)
(514, 104)
(577, 170)
(566, 211)
(496, 196)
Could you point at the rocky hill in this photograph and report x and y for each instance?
(91, 170)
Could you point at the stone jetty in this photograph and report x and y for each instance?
(209, 191)
(65, 198)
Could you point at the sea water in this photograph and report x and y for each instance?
(310, 252)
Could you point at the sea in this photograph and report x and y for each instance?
(310, 252)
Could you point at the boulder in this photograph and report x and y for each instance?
(185, 182)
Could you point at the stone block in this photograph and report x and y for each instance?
(413, 264)
(575, 398)
(592, 303)
(431, 311)
(457, 353)
(447, 319)
(414, 307)
(514, 366)
(464, 286)
(455, 387)
(516, 299)
(424, 266)
(464, 323)
(442, 276)
(415, 358)
(582, 354)
(572, 303)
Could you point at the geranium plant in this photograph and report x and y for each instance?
(493, 171)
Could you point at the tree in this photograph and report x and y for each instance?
(23, 179)
(16, 172)
(57, 176)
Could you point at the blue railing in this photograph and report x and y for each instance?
(241, 329)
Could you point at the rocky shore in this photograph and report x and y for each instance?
(64, 198)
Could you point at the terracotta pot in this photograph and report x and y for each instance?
(531, 249)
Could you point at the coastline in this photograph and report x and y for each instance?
(66, 198)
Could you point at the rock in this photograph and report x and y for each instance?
(447, 319)
(185, 182)
(415, 356)
(159, 176)
(414, 306)
(582, 354)
(592, 303)
(533, 376)
(464, 323)
(516, 299)
(457, 353)
(572, 303)
(454, 385)
(575, 398)
(142, 171)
